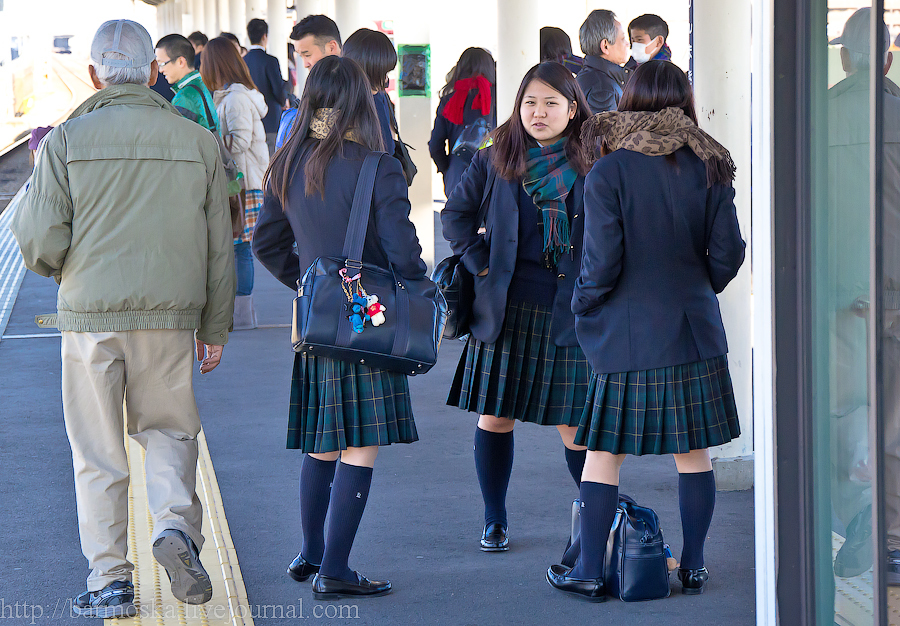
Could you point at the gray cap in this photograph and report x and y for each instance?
(124, 37)
(855, 36)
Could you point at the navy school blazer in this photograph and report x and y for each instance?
(319, 225)
(265, 70)
(496, 249)
(658, 246)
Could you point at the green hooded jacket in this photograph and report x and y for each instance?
(188, 98)
(127, 211)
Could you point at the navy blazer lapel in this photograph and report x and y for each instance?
(575, 198)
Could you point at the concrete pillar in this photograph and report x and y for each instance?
(198, 13)
(224, 15)
(722, 86)
(211, 17)
(237, 20)
(518, 48)
(350, 16)
(278, 33)
(255, 8)
(414, 116)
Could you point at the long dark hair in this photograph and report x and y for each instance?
(374, 52)
(511, 140)
(472, 62)
(658, 85)
(222, 65)
(555, 44)
(333, 83)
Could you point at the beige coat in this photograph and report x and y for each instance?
(240, 112)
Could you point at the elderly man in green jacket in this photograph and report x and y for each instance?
(127, 210)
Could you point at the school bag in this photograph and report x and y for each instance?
(637, 560)
(635, 567)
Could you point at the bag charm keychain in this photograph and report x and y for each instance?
(363, 307)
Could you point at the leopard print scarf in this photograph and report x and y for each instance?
(658, 134)
(323, 121)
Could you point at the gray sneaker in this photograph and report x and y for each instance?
(114, 600)
(175, 551)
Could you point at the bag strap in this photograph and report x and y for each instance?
(359, 214)
(209, 116)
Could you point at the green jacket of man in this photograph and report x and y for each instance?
(127, 210)
(188, 98)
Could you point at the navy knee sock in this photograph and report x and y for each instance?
(493, 464)
(598, 510)
(315, 493)
(575, 461)
(697, 500)
(348, 501)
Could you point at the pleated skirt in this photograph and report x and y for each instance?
(669, 410)
(337, 404)
(523, 375)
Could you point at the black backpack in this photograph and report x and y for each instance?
(471, 138)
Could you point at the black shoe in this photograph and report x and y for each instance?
(300, 569)
(495, 538)
(855, 556)
(592, 589)
(893, 568)
(327, 588)
(175, 551)
(114, 600)
(692, 580)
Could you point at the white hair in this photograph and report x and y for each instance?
(108, 75)
(599, 25)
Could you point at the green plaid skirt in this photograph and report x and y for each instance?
(523, 375)
(337, 404)
(669, 410)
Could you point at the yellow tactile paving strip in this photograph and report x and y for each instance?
(853, 597)
(152, 595)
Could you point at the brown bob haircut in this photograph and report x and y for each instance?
(511, 140)
(222, 65)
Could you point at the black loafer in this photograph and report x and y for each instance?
(300, 569)
(327, 588)
(591, 589)
(692, 580)
(495, 538)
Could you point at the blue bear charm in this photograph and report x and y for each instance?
(358, 313)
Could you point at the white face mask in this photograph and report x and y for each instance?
(639, 53)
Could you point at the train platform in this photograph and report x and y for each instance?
(420, 529)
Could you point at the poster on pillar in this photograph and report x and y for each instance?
(414, 70)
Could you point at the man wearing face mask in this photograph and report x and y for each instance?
(602, 78)
(648, 34)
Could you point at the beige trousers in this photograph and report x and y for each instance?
(150, 370)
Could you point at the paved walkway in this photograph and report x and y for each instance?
(423, 520)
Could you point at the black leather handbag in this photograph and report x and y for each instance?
(458, 287)
(402, 333)
(636, 567)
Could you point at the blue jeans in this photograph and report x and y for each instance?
(243, 267)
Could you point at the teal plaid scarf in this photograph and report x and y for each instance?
(548, 180)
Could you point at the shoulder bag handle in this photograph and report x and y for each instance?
(359, 214)
(205, 106)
